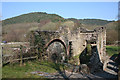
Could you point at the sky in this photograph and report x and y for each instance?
(79, 10)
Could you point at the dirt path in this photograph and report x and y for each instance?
(109, 73)
(69, 75)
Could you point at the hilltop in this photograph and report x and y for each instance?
(32, 17)
(40, 16)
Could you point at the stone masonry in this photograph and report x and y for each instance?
(74, 42)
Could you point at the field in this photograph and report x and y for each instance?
(110, 50)
(17, 71)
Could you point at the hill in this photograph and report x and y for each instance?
(112, 32)
(16, 28)
(91, 21)
(32, 17)
(40, 16)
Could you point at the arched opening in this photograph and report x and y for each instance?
(90, 57)
(55, 56)
(86, 53)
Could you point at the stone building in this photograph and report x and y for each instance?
(74, 42)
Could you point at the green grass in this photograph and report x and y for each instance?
(111, 50)
(17, 71)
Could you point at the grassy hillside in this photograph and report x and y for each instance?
(112, 32)
(19, 31)
(16, 28)
(40, 16)
(91, 21)
(32, 17)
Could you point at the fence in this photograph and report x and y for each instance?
(12, 53)
(19, 53)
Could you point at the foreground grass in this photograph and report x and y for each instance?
(17, 71)
(111, 50)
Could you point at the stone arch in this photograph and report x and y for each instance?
(57, 40)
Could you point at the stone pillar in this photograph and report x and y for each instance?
(98, 45)
(101, 47)
(105, 59)
(104, 42)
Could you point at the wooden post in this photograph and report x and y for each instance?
(10, 60)
(37, 56)
(21, 57)
(40, 51)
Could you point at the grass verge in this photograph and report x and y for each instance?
(17, 71)
(111, 50)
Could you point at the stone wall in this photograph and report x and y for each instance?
(75, 41)
(101, 43)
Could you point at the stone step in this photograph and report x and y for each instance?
(111, 67)
(110, 71)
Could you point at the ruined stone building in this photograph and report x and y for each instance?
(73, 42)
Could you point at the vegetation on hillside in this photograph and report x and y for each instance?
(112, 33)
(91, 21)
(18, 32)
(17, 28)
(33, 17)
(40, 16)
